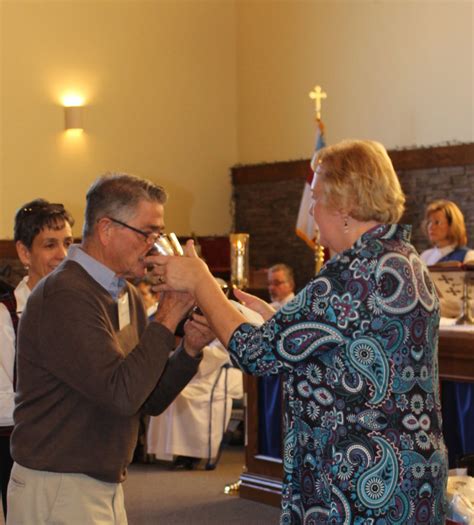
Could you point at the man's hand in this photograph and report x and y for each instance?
(197, 334)
(173, 306)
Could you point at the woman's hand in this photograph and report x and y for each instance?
(178, 273)
(255, 303)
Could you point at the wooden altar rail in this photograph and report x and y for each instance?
(456, 355)
(261, 480)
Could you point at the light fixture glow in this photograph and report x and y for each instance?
(72, 99)
(73, 118)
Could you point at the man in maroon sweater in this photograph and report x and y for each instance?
(89, 363)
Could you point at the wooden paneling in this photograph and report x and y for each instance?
(408, 159)
(456, 355)
(7, 250)
(439, 157)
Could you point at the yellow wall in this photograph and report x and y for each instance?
(159, 85)
(180, 90)
(400, 71)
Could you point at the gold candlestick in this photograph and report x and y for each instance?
(318, 257)
(466, 313)
(239, 259)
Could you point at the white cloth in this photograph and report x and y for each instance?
(278, 304)
(433, 255)
(450, 307)
(7, 353)
(183, 428)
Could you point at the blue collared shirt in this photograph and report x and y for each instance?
(98, 271)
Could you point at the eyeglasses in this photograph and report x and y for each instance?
(150, 237)
(276, 283)
(436, 222)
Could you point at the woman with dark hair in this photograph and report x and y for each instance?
(42, 234)
(357, 352)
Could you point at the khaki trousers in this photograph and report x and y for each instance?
(39, 497)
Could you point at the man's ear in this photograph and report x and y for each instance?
(104, 230)
(23, 254)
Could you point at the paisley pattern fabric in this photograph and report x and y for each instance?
(357, 349)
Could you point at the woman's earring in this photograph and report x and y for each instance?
(346, 224)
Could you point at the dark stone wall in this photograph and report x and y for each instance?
(268, 211)
(267, 198)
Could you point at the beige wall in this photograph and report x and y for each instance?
(180, 90)
(400, 71)
(159, 85)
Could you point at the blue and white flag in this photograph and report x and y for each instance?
(306, 228)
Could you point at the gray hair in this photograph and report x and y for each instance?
(118, 195)
(287, 270)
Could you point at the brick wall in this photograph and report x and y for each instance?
(268, 211)
(267, 197)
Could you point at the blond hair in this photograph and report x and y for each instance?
(359, 179)
(457, 227)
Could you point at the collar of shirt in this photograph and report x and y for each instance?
(98, 271)
(445, 250)
(22, 292)
(438, 253)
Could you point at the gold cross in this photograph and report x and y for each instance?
(317, 94)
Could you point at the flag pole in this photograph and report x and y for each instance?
(317, 95)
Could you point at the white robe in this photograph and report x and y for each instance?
(183, 428)
(7, 353)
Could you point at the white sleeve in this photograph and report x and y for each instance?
(7, 348)
(469, 257)
(429, 257)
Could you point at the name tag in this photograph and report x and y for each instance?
(123, 311)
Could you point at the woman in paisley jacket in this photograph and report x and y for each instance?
(357, 349)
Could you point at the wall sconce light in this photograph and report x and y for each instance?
(73, 118)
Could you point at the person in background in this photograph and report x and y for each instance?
(281, 288)
(89, 363)
(446, 230)
(357, 351)
(42, 234)
(281, 284)
(192, 427)
(150, 299)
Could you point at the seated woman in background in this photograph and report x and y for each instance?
(357, 352)
(42, 234)
(446, 231)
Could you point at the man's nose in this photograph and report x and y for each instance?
(61, 252)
